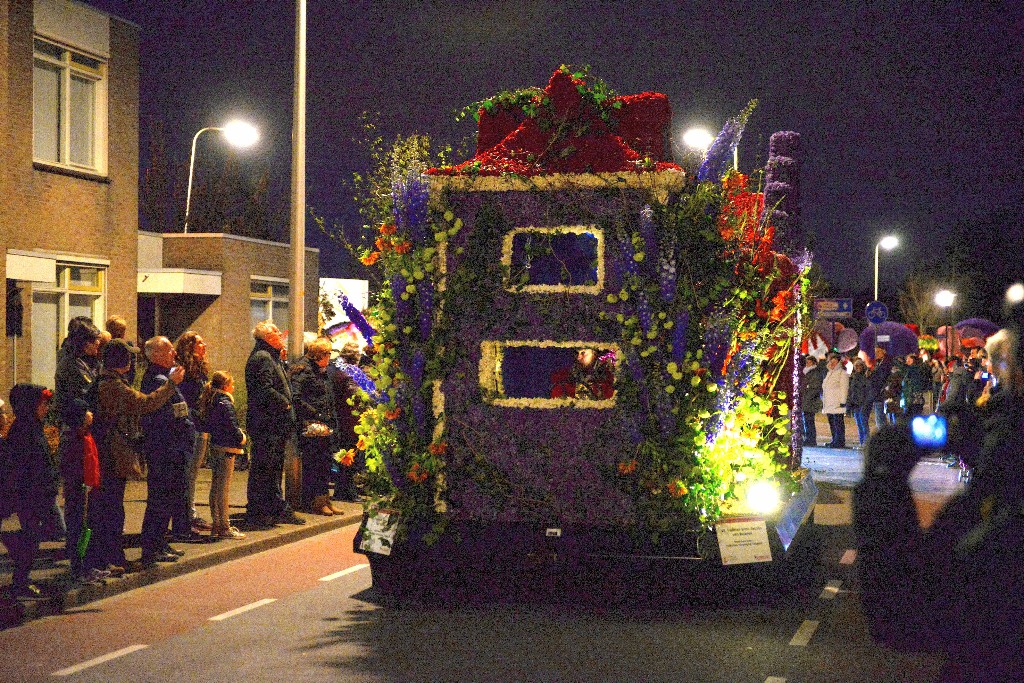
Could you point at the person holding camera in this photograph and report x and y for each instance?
(958, 586)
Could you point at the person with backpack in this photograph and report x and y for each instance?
(30, 483)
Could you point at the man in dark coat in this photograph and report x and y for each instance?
(810, 397)
(270, 421)
(169, 439)
(877, 381)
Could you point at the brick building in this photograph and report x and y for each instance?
(69, 177)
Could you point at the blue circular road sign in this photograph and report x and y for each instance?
(877, 312)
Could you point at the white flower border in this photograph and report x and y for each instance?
(506, 260)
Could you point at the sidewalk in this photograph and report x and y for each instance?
(51, 574)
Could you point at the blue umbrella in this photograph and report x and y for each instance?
(986, 327)
(902, 340)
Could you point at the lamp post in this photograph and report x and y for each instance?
(889, 242)
(237, 133)
(944, 298)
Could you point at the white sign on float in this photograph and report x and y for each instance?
(378, 534)
(743, 542)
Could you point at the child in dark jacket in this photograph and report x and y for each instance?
(80, 469)
(218, 418)
(30, 482)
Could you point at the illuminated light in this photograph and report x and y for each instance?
(1015, 294)
(241, 134)
(889, 242)
(945, 298)
(763, 497)
(698, 138)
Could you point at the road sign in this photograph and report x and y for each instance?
(877, 312)
(833, 309)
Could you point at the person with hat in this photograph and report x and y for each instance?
(117, 405)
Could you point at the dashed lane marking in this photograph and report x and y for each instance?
(831, 589)
(99, 660)
(775, 679)
(849, 557)
(804, 634)
(344, 572)
(243, 608)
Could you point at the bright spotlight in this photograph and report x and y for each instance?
(763, 497)
(698, 138)
(241, 134)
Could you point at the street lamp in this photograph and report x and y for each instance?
(889, 242)
(944, 299)
(237, 133)
(700, 140)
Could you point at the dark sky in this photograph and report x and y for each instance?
(910, 112)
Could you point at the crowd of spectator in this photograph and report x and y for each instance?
(181, 416)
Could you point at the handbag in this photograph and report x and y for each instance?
(125, 442)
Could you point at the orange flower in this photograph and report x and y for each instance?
(676, 490)
(387, 229)
(416, 474)
(348, 458)
(439, 448)
(361, 444)
(403, 247)
(627, 467)
(393, 414)
(370, 259)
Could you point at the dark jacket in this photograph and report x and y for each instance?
(957, 586)
(956, 393)
(916, 379)
(71, 381)
(344, 387)
(168, 429)
(810, 389)
(859, 388)
(269, 409)
(222, 422)
(190, 389)
(27, 471)
(119, 407)
(311, 390)
(879, 378)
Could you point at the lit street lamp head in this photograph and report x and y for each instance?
(240, 134)
(698, 138)
(944, 298)
(889, 242)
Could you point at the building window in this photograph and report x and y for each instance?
(68, 95)
(269, 301)
(79, 292)
(550, 260)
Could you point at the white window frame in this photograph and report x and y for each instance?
(64, 290)
(69, 68)
(506, 259)
(271, 296)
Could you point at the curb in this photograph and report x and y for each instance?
(76, 596)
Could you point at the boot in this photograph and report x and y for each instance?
(337, 510)
(321, 506)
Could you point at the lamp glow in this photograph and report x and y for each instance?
(698, 138)
(1015, 294)
(241, 134)
(945, 298)
(889, 242)
(763, 497)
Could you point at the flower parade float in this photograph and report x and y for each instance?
(585, 356)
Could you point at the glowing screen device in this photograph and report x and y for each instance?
(929, 431)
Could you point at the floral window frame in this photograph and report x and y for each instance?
(592, 288)
(492, 384)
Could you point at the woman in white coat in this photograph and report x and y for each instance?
(834, 390)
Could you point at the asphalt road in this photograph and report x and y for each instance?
(273, 617)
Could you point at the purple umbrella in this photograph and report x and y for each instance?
(902, 340)
(979, 327)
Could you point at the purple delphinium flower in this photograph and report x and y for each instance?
(679, 329)
(716, 344)
(720, 153)
(426, 292)
(648, 233)
(667, 269)
(403, 307)
(358, 319)
(409, 196)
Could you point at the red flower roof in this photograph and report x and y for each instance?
(570, 134)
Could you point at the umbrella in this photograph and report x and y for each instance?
(979, 327)
(847, 340)
(83, 538)
(902, 340)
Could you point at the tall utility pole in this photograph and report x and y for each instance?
(297, 290)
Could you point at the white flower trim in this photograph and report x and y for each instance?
(660, 182)
(506, 260)
(492, 384)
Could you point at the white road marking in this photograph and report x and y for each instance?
(848, 557)
(775, 679)
(804, 634)
(830, 590)
(99, 660)
(344, 572)
(243, 608)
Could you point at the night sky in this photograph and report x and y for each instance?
(911, 116)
